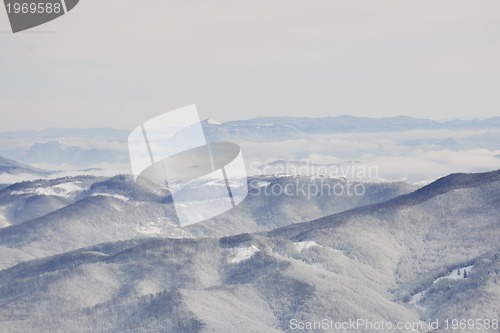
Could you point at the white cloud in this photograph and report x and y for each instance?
(419, 162)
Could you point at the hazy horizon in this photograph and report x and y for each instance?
(238, 61)
(270, 117)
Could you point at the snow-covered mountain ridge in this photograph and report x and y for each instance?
(58, 215)
(369, 262)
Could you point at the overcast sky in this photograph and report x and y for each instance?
(117, 63)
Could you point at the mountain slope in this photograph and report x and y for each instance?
(11, 171)
(24, 201)
(368, 263)
(47, 217)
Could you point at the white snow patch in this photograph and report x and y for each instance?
(3, 220)
(283, 175)
(415, 300)
(261, 183)
(234, 183)
(69, 187)
(162, 227)
(320, 267)
(244, 253)
(213, 122)
(453, 275)
(116, 196)
(306, 245)
(216, 182)
(95, 253)
(149, 229)
(64, 190)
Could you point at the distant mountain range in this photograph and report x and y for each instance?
(339, 124)
(265, 128)
(80, 148)
(14, 167)
(366, 137)
(394, 261)
(55, 151)
(11, 170)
